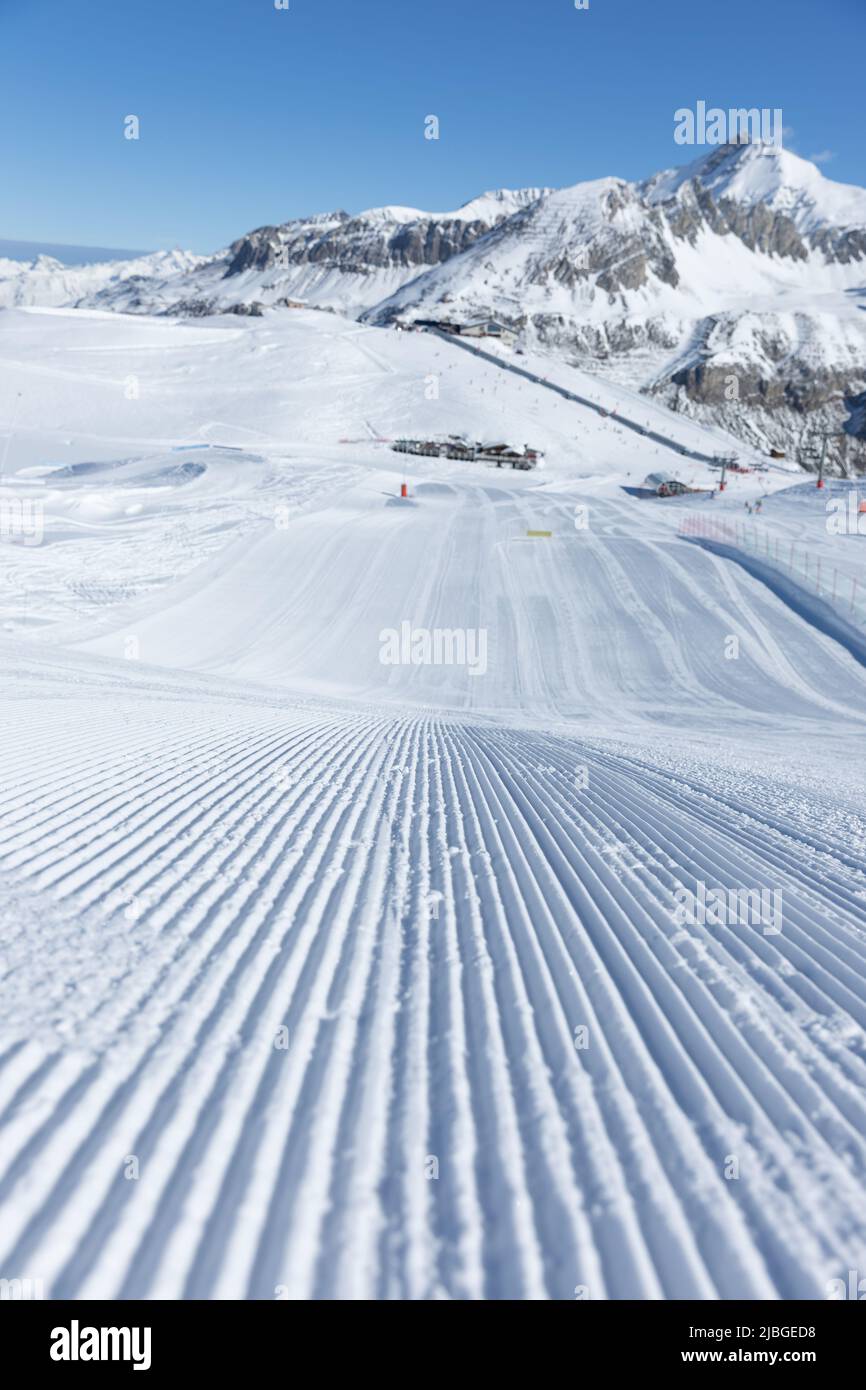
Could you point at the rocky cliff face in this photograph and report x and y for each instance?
(759, 228)
(356, 245)
(777, 381)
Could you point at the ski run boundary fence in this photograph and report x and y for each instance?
(842, 591)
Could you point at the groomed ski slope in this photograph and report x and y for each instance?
(330, 979)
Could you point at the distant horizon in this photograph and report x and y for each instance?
(19, 249)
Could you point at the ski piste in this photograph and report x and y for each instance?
(332, 977)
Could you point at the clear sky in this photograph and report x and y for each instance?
(251, 114)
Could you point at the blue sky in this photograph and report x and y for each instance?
(252, 115)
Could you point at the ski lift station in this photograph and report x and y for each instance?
(665, 485)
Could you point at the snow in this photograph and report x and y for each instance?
(376, 969)
(501, 202)
(776, 178)
(495, 203)
(47, 282)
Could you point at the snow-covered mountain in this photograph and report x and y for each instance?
(827, 215)
(610, 245)
(732, 288)
(334, 260)
(47, 283)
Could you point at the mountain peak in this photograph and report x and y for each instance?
(750, 173)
